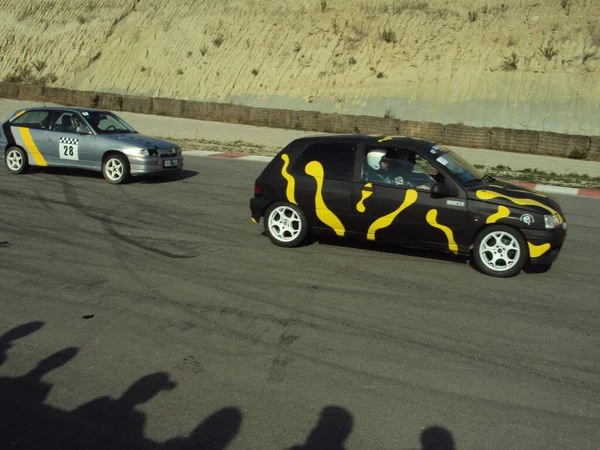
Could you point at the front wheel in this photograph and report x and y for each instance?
(115, 169)
(285, 224)
(500, 251)
(16, 160)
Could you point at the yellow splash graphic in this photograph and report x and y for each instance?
(360, 206)
(31, 147)
(315, 170)
(518, 190)
(503, 212)
(386, 221)
(432, 220)
(291, 183)
(387, 138)
(489, 195)
(535, 251)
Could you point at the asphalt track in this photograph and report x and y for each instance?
(159, 316)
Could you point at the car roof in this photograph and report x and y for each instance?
(370, 139)
(63, 108)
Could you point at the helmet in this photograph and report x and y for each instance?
(374, 158)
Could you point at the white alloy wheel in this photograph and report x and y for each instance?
(115, 169)
(16, 160)
(499, 251)
(285, 224)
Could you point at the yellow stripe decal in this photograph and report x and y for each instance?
(535, 251)
(432, 220)
(291, 183)
(386, 221)
(387, 138)
(315, 170)
(20, 113)
(489, 195)
(31, 147)
(360, 206)
(503, 212)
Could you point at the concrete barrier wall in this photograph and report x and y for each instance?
(505, 139)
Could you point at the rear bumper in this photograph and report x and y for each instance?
(145, 166)
(545, 245)
(257, 208)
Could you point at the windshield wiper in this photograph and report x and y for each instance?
(488, 177)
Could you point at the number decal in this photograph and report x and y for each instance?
(69, 148)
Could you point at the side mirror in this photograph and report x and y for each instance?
(82, 129)
(441, 189)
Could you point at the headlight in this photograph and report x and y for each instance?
(148, 152)
(551, 221)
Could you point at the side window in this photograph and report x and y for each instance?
(65, 121)
(399, 167)
(33, 119)
(337, 159)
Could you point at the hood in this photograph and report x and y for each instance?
(140, 140)
(509, 194)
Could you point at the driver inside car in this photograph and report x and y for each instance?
(396, 171)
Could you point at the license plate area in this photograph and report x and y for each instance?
(170, 163)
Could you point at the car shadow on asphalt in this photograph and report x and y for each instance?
(166, 177)
(28, 422)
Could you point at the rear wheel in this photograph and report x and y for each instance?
(285, 224)
(16, 160)
(500, 251)
(115, 168)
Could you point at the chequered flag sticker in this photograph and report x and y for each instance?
(69, 141)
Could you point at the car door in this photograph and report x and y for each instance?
(408, 213)
(29, 131)
(324, 172)
(71, 148)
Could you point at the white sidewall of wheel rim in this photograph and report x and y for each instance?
(14, 160)
(114, 168)
(284, 224)
(499, 251)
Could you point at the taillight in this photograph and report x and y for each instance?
(257, 190)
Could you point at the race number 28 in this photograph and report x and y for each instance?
(69, 151)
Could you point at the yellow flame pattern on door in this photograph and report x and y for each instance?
(386, 221)
(535, 251)
(360, 206)
(432, 220)
(503, 212)
(291, 183)
(489, 195)
(325, 215)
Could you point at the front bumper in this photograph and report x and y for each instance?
(152, 165)
(545, 245)
(257, 208)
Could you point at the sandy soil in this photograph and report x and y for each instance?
(444, 59)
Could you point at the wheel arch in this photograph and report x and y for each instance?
(485, 226)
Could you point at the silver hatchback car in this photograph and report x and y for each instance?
(84, 138)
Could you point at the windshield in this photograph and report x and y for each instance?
(104, 122)
(462, 169)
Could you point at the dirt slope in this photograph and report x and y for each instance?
(447, 61)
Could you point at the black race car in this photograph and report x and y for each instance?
(405, 191)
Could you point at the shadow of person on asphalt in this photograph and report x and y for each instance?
(16, 333)
(29, 388)
(437, 438)
(331, 431)
(215, 433)
(119, 417)
(26, 422)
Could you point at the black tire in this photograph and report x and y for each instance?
(495, 238)
(115, 168)
(16, 154)
(285, 224)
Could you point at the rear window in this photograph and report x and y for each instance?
(337, 159)
(33, 119)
